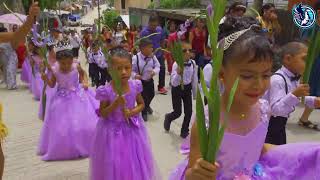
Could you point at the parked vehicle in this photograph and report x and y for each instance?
(74, 20)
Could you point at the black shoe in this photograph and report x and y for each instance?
(184, 135)
(150, 110)
(145, 117)
(167, 123)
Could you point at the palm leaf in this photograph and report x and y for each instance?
(201, 125)
(232, 93)
(136, 44)
(216, 130)
(203, 85)
(179, 58)
(313, 51)
(114, 74)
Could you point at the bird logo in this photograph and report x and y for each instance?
(304, 16)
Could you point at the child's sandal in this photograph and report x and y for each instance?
(309, 125)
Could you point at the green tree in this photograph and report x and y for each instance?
(44, 4)
(110, 18)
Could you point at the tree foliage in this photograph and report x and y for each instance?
(110, 18)
(176, 4)
(44, 4)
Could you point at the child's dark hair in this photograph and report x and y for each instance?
(95, 44)
(292, 48)
(253, 44)
(145, 42)
(153, 18)
(236, 6)
(123, 42)
(266, 7)
(119, 52)
(64, 54)
(50, 48)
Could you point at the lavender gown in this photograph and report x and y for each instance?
(26, 73)
(70, 120)
(36, 81)
(240, 157)
(121, 150)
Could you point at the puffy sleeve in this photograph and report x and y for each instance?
(139, 87)
(103, 93)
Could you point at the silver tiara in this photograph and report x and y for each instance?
(62, 45)
(232, 37)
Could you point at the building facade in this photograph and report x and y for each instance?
(123, 5)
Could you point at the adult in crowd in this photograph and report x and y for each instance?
(21, 49)
(236, 9)
(75, 41)
(269, 21)
(158, 42)
(106, 34)
(10, 41)
(198, 38)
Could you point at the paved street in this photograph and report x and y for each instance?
(22, 163)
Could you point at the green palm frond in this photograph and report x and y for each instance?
(210, 140)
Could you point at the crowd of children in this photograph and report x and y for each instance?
(108, 126)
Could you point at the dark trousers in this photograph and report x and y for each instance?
(104, 76)
(162, 73)
(277, 131)
(179, 95)
(75, 52)
(147, 94)
(94, 73)
(99, 76)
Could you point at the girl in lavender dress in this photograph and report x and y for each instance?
(243, 155)
(36, 62)
(26, 74)
(70, 121)
(121, 148)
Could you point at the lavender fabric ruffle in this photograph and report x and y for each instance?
(26, 73)
(121, 150)
(36, 86)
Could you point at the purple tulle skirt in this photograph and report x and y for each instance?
(122, 151)
(26, 73)
(298, 161)
(49, 94)
(36, 86)
(69, 125)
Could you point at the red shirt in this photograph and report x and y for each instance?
(21, 53)
(199, 39)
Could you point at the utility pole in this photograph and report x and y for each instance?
(99, 17)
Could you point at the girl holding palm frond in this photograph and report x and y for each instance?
(243, 153)
(70, 118)
(121, 147)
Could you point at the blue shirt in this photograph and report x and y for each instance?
(156, 39)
